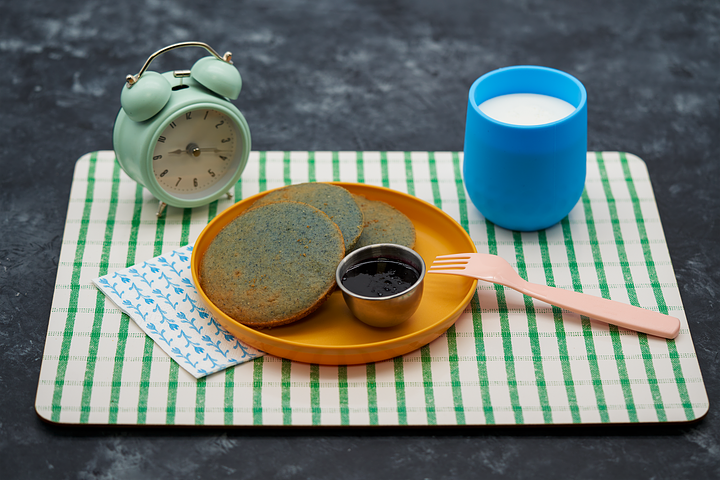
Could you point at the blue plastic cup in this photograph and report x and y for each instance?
(525, 177)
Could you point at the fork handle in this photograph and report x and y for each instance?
(609, 311)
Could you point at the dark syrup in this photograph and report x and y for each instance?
(379, 277)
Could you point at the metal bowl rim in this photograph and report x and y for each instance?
(347, 260)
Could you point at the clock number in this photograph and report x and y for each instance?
(157, 157)
(225, 140)
(195, 182)
(161, 139)
(206, 114)
(178, 182)
(212, 174)
(222, 122)
(172, 125)
(223, 157)
(188, 115)
(162, 174)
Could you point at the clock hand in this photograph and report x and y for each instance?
(214, 150)
(196, 151)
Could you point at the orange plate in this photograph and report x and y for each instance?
(332, 335)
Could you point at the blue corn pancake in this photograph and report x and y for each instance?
(335, 201)
(383, 224)
(272, 265)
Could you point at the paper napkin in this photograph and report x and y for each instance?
(159, 295)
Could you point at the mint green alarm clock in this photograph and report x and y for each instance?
(178, 134)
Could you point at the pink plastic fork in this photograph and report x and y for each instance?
(494, 269)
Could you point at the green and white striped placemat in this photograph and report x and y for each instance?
(508, 360)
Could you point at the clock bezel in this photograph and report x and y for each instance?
(217, 190)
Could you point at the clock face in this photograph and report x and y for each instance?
(195, 152)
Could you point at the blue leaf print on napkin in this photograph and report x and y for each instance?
(104, 281)
(160, 297)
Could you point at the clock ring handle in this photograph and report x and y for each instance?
(132, 79)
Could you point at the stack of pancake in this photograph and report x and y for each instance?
(275, 263)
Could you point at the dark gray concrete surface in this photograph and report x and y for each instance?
(355, 75)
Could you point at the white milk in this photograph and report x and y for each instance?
(526, 109)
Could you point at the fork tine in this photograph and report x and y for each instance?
(460, 266)
(459, 261)
(460, 272)
(456, 255)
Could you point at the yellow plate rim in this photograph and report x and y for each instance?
(322, 353)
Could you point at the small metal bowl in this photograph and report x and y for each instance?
(383, 311)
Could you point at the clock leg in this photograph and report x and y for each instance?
(161, 209)
(229, 195)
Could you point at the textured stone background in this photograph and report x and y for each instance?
(355, 75)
